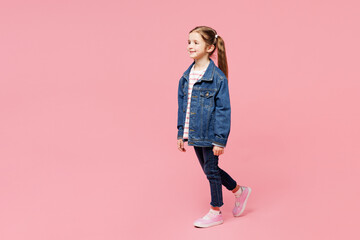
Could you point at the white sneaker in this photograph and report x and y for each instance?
(210, 219)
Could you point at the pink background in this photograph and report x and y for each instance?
(88, 100)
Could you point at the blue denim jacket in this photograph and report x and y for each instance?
(210, 112)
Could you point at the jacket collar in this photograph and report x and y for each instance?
(208, 75)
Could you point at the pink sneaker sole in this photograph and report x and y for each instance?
(209, 222)
(205, 225)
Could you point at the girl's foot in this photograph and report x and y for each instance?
(212, 218)
(241, 197)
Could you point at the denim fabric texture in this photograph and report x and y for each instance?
(216, 176)
(210, 111)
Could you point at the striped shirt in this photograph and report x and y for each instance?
(194, 76)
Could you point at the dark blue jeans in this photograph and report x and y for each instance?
(215, 175)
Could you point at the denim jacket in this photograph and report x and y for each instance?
(210, 112)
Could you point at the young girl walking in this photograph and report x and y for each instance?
(204, 118)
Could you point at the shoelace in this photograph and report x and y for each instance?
(210, 215)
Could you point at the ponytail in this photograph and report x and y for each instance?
(222, 60)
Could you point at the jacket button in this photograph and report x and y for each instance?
(207, 94)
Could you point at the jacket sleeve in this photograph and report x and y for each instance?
(222, 114)
(181, 96)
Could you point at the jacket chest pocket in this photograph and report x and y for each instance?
(207, 98)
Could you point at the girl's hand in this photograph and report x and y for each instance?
(218, 150)
(180, 144)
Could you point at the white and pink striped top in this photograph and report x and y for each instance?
(194, 76)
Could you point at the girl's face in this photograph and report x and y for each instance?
(197, 48)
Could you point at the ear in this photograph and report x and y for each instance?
(210, 48)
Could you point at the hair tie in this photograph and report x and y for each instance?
(216, 35)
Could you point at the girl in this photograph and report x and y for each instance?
(204, 118)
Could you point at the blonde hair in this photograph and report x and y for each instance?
(209, 35)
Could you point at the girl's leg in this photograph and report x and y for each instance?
(226, 179)
(218, 177)
(213, 174)
(200, 156)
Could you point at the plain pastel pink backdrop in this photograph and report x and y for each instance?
(88, 110)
